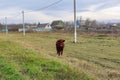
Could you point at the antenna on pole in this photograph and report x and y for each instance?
(75, 32)
(23, 23)
(6, 28)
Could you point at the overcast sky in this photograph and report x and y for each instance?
(43, 11)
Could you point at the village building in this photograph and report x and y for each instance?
(42, 27)
(58, 25)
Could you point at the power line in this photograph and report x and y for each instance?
(18, 14)
(50, 5)
(8, 17)
(45, 7)
(42, 8)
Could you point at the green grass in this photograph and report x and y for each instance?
(19, 61)
(96, 55)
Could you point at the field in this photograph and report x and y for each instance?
(33, 57)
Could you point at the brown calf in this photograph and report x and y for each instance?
(60, 46)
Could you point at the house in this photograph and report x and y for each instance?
(21, 29)
(1, 27)
(58, 25)
(10, 27)
(43, 27)
(28, 27)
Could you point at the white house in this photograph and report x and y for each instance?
(22, 29)
(28, 27)
(43, 27)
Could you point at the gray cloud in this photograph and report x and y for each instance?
(61, 10)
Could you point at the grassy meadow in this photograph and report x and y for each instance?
(33, 57)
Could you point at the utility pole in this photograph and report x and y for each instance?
(75, 32)
(6, 28)
(23, 23)
(80, 21)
